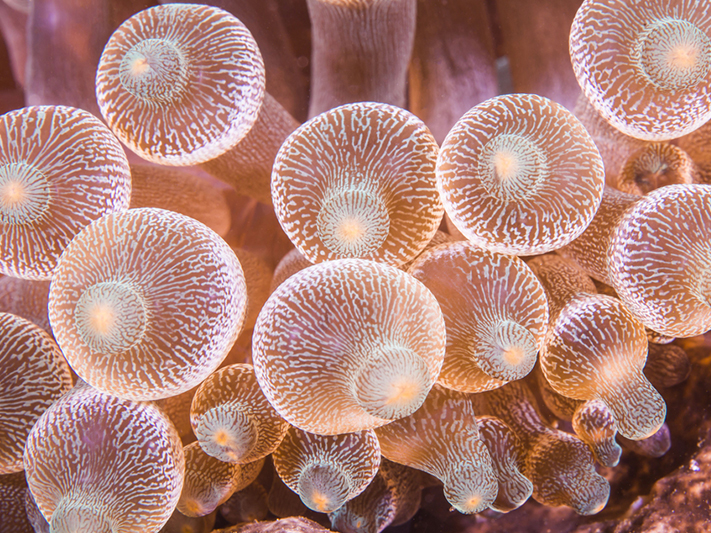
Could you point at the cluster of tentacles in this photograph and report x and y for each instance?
(448, 294)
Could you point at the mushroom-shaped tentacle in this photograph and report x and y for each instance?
(520, 175)
(660, 260)
(348, 345)
(60, 169)
(560, 466)
(232, 419)
(654, 166)
(358, 181)
(507, 456)
(209, 482)
(327, 471)
(95, 463)
(157, 75)
(361, 51)
(127, 284)
(33, 375)
(562, 471)
(596, 350)
(183, 84)
(442, 439)
(494, 309)
(650, 74)
(564, 281)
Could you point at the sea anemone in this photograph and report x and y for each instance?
(350, 348)
(442, 439)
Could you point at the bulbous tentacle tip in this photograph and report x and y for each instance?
(638, 408)
(394, 384)
(69, 517)
(471, 485)
(511, 161)
(562, 470)
(507, 453)
(513, 493)
(607, 453)
(152, 90)
(60, 169)
(363, 338)
(595, 424)
(669, 221)
(573, 480)
(473, 500)
(666, 53)
(591, 498)
(514, 353)
(323, 488)
(227, 439)
(372, 193)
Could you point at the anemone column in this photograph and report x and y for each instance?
(361, 51)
